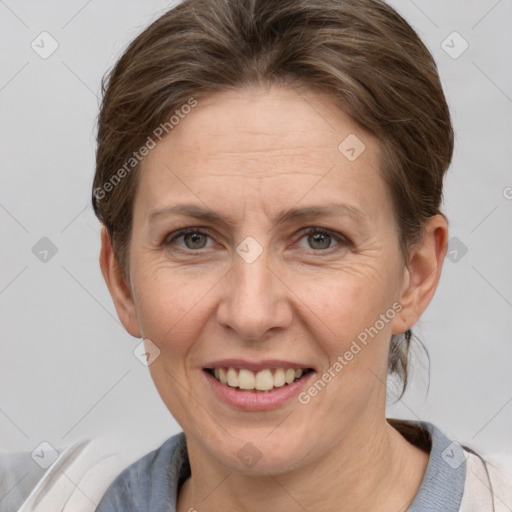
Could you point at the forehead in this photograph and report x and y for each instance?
(272, 124)
(268, 141)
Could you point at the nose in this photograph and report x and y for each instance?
(254, 301)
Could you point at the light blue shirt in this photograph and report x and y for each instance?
(151, 484)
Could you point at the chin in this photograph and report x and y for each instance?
(260, 451)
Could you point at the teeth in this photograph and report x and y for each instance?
(279, 379)
(289, 376)
(263, 380)
(245, 379)
(232, 378)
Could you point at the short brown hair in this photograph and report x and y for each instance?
(360, 52)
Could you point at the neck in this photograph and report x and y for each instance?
(379, 470)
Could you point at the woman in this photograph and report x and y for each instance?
(269, 177)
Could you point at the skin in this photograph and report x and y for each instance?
(249, 155)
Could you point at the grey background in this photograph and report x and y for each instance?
(67, 366)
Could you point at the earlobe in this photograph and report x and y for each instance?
(422, 273)
(119, 289)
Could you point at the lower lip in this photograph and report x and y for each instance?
(257, 400)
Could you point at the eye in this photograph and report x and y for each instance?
(321, 239)
(318, 239)
(193, 238)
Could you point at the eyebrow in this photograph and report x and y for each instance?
(287, 216)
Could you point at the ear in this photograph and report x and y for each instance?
(422, 273)
(119, 290)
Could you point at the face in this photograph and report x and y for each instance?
(289, 256)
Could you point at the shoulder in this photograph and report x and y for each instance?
(149, 482)
(458, 478)
(488, 483)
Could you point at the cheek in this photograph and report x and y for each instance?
(352, 334)
(172, 310)
(171, 306)
(346, 302)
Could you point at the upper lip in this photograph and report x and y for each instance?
(256, 366)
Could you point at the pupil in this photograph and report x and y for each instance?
(319, 238)
(194, 238)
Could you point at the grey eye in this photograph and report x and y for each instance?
(319, 240)
(195, 240)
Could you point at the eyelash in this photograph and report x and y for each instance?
(170, 239)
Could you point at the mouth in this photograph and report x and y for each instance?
(266, 380)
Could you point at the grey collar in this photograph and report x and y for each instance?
(442, 486)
